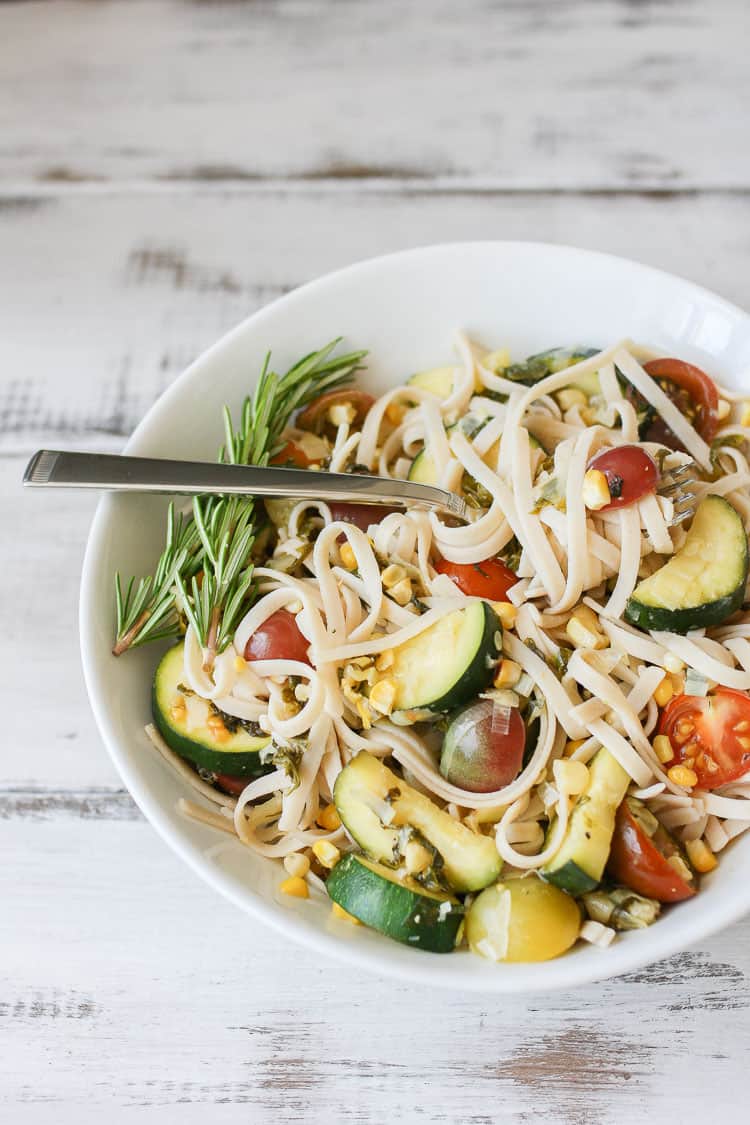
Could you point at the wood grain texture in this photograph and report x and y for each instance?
(523, 93)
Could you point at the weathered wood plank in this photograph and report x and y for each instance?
(141, 990)
(597, 93)
(107, 298)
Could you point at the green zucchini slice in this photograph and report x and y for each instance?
(578, 864)
(449, 663)
(399, 908)
(381, 813)
(181, 719)
(704, 582)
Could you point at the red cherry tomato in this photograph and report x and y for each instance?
(315, 415)
(292, 454)
(631, 474)
(641, 862)
(710, 734)
(490, 579)
(361, 515)
(692, 391)
(483, 747)
(233, 785)
(278, 638)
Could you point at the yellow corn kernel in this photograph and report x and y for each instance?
(339, 912)
(674, 664)
(383, 695)
(239, 663)
(571, 396)
(508, 674)
(348, 558)
(218, 731)
(401, 592)
(570, 777)
(392, 575)
(701, 856)
(326, 853)
(745, 414)
(296, 864)
(329, 818)
(341, 413)
(683, 775)
(497, 361)
(416, 857)
(663, 748)
(583, 629)
(664, 692)
(506, 612)
(295, 887)
(571, 747)
(384, 660)
(596, 492)
(394, 412)
(724, 409)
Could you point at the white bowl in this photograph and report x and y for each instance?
(405, 308)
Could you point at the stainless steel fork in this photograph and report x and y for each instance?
(678, 486)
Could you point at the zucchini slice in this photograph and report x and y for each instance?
(704, 582)
(449, 663)
(182, 717)
(378, 809)
(399, 908)
(579, 863)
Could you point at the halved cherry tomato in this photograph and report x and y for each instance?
(710, 734)
(292, 454)
(361, 515)
(278, 638)
(631, 474)
(233, 785)
(315, 415)
(490, 579)
(483, 747)
(641, 861)
(692, 391)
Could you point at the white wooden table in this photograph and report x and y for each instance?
(165, 169)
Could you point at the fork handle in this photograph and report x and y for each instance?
(50, 468)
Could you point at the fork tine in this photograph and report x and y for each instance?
(680, 517)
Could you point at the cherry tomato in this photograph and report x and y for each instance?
(278, 638)
(361, 515)
(292, 454)
(233, 785)
(483, 747)
(315, 415)
(710, 734)
(693, 392)
(630, 472)
(490, 579)
(641, 861)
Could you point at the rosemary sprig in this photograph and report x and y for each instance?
(205, 572)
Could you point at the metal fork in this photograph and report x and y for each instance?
(51, 468)
(677, 485)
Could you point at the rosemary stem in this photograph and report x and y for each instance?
(124, 642)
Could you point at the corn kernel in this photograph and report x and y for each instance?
(663, 748)
(506, 612)
(341, 413)
(745, 414)
(392, 575)
(384, 660)
(583, 629)
(678, 683)
(295, 887)
(218, 731)
(571, 747)
(326, 853)
(723, 410)
(329, 818)
(383, 695)
(394, 412)
(497, 361)
(239, 663)
(683, 775)
(401, 592)
(570, 777)
(348, 558)
(416, 857)
(674, 664)
(701, 856)
(664, 692)
(596, 494)
(296, 864)
(571, 396)
(339, 912)
(508, 673)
